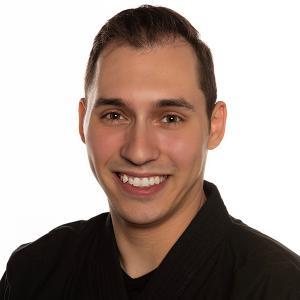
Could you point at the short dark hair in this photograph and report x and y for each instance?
(147, 26)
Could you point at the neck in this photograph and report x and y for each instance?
(142, 248)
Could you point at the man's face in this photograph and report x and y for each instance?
(146, 122)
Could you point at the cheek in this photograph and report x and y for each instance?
(102, 143)
(186, 149)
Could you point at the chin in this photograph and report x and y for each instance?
(138, 217)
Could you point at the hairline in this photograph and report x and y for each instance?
(165, 40)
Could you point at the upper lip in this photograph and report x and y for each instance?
(134, 174)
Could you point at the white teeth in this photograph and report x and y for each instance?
(124, 178)
(136, 181)
(142, 182)
(145, 182)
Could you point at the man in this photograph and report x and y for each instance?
(148, 118)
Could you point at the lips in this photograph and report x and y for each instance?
(141, 185)
(141, 181)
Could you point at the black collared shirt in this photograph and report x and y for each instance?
(217, 257)
(135, 286)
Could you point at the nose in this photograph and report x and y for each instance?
(140, 146)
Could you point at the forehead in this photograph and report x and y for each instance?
(163, 71)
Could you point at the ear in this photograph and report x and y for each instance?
(81, 113)
(217, 125)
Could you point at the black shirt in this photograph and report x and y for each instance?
(135, 286)
(217, 257)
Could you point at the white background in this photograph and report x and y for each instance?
(44, 172)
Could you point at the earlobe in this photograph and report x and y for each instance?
(217, 125)
(81, 114)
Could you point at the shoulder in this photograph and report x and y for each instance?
(65, 235)
(53, 252)
(263, 266)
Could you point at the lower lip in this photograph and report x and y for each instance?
(141, 191)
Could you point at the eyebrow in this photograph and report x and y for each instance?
(109, 101)
(177, 102)
(180, 102)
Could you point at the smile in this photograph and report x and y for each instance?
(142, 181)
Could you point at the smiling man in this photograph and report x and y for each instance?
(148, 118)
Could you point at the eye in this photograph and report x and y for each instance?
(171, 118)
(112, 116)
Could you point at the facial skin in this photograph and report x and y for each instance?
(144, 138)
